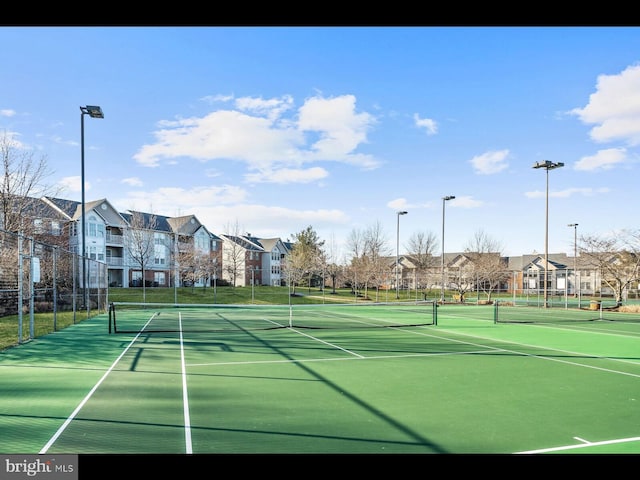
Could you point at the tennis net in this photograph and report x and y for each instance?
(507, 312)
(132, 317)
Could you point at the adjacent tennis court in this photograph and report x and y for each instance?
(404, 379)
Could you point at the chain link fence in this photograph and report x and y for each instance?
(42, 288)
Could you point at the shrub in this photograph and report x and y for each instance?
(629, 308)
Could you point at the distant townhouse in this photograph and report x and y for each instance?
(523, 275)
(249, 260)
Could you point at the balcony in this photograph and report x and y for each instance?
(115, 261)
(113, 239)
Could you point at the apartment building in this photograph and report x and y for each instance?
(159, 250)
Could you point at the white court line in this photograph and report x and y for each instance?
(73, 415)
(327, 343)
(333, 359)
(485, 348)
(466, 342)
(583, 445)
(542, 357)
(185, 393)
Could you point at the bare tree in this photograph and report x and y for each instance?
(210, 266)
(421, 247)
(488, 264)
(333, 268)
(355, 246)
(188, 263)
(233, 260)
(368, 248)
(23, 177)
(461, 278)
(141, 242)
(617, 258)
(377, 250)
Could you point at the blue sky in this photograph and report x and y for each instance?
(274, 129)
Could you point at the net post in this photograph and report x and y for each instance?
(112, 317)
(495, 311)
(435, 312)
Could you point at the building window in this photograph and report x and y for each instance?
(37, 224)
(136, 278)
(159, 239)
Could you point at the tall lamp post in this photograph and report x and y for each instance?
(94, 112)
(547, 165)
(398, 251)
(444, 200)
(576, 284)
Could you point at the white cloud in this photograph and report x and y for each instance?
(603, 160)
(614, 108)
(326, 129)
(132, 181)
(61, 141)
(398, 204)
(490, 162)
(465, 202)
(272, 108)
(587, 192)
(288, 175)
(13, 138)
(428, 124)
(403, 204)
(73, 184)
(217, 98)
(6, 112)
(217, 207)
(339, 127)
(167, 199)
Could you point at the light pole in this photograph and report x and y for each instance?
(94, 112)
(444, 200)
(398, 251)
(576, 285)
(547, 165)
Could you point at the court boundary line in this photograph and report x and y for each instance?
(466, 342)
(185, 393)
(82, 403)
(585, 444)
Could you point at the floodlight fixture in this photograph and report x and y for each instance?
(403, 212)
(444, 199)
(547, 165)
(94, 112)
(576, 281)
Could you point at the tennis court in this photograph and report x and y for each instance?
(409, 380)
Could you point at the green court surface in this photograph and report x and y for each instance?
(465, 385)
